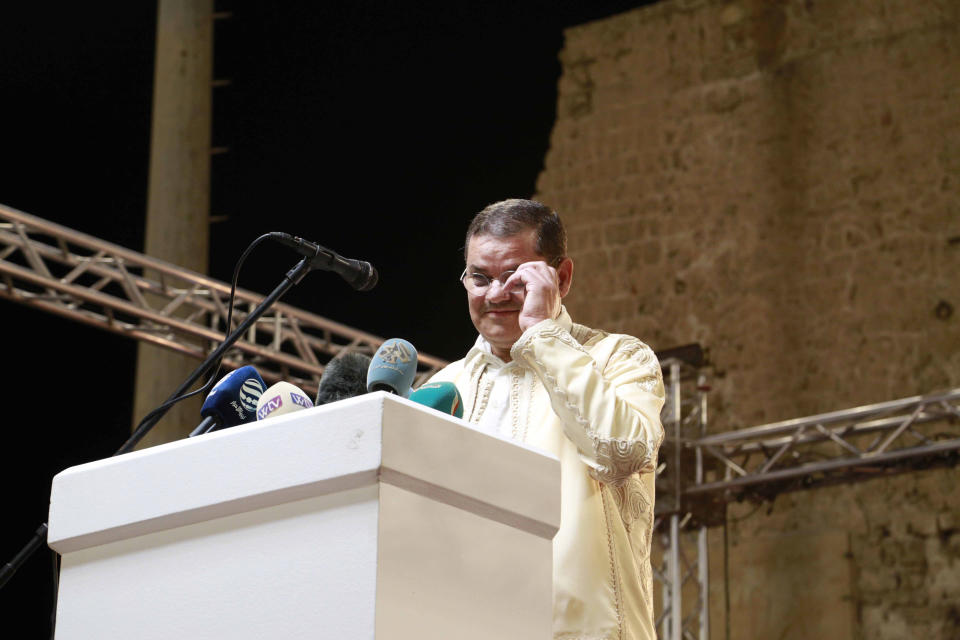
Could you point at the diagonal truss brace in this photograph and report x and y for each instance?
(83, 278)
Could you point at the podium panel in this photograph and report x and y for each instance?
(368, 518)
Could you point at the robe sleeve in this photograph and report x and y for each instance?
(609, 409)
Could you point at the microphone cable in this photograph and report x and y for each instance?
(209, 383)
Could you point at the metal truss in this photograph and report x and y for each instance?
(680, 560)
(830, 448)
(699, 474)
(83, 278)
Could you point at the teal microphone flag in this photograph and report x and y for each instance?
(442, 396)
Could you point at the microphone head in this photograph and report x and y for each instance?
(282, 398)
(233, 400)
(442, 396)
(344, 377)
(393, 367)
(367, 277)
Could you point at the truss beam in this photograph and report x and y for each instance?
(88, 280)
(840, 446)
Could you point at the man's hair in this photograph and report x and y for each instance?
(510, 217)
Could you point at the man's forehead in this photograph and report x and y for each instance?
(485, 249)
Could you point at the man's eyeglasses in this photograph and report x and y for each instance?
(478, 283)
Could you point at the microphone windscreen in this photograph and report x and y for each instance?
(344, 377)
(282, 398)
(393, 368)
(233, 400)
(442, 396)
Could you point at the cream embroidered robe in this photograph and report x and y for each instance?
(593, 399)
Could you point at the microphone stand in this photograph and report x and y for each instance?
(292, 277)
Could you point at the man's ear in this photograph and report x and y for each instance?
(565, 276)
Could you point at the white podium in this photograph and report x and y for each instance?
(368, 518)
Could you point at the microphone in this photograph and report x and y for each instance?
(442, 396)
(232, 401)
(359, 274)
(282, 398)
(345, 376)
(393, 368)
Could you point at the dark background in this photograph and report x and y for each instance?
(374, 128)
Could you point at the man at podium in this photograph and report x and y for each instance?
(591, 398)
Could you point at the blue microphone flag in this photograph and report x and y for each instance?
(393, 368)
(233, 400)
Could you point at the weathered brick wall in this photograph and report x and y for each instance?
(780, 182)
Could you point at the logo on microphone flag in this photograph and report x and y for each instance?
(303, 401)
(269, 407)
(394, 352)
(250, 393)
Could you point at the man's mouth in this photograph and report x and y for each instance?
(501, 311)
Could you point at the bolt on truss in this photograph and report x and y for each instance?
(83, 278)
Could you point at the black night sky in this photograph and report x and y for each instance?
(374, 128)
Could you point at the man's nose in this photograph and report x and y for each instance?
(497, 292)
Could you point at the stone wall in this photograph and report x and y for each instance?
(780, 182)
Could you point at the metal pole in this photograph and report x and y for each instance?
(667, 596)
(676, 597)
(703, 557)
(677, 443)
(703, 575)
(676, 584)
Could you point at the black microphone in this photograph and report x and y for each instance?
(359, 274)
(344, 377)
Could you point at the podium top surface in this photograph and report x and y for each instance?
(370, 439)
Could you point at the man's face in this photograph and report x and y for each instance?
(496, 313)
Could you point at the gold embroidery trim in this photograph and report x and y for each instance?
(531, 380)
(515, 403)
(614, 570)
(484, 385)
(619, 459)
